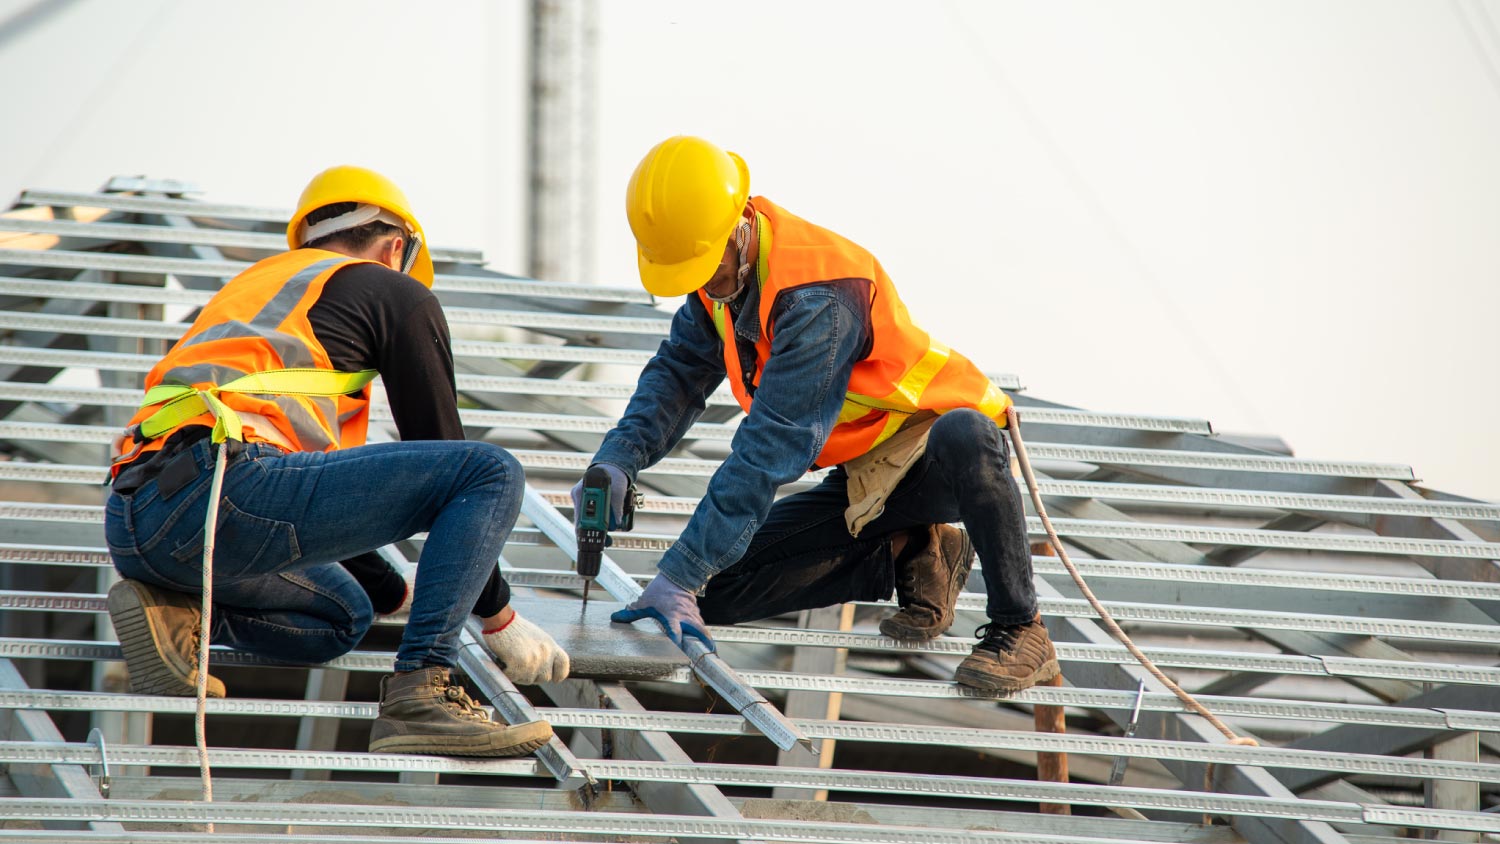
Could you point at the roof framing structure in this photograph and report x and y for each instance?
(1336, 610)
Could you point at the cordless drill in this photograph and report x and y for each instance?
(594, 519)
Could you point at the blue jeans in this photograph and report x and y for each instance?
(285, 520)
(803, 557)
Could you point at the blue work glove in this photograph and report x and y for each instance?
(619, 485)
(673, 607)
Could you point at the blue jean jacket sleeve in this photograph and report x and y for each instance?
(670, 395)
(819, 334)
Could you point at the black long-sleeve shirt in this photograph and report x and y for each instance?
(372, 317)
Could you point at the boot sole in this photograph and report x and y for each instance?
(993, 683)
(505, 743)
(906, 633)
(149, 673)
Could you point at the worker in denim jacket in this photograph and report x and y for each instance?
(831, 372)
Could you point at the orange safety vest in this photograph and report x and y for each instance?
(906, 370)
(255, 324)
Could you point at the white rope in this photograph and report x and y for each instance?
(200, 719)
(1110, 624)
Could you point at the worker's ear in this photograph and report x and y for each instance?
(394, 252)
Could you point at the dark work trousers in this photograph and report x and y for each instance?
(803, 557)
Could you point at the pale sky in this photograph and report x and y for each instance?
(1279, 216)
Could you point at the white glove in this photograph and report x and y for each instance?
(409, 574)
(527, 653)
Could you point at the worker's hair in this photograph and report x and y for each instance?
(356, 239)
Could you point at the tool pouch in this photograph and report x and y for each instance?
(873, 476)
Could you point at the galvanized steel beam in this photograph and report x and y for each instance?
(216, 237)
(1088, 698)
(281, 814)
(496, 284)
(506, 821)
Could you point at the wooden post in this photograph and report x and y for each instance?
(1051, 767)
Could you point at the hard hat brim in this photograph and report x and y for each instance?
(683, 277)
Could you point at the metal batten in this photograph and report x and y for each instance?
(172, 331)
(706, 468)
(134, 232)
(281, 814)
(1294, 501)
(154, 205)
(1250, 537)
(1064, 607)
(1324, 666)
(1320, 581)
(604, 719)
(511, 821)
(1128, 569)
(117, 262)
(152, 329)
(1290, 710)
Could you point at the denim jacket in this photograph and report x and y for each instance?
(821, 331)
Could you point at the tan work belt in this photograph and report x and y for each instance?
(873, 476)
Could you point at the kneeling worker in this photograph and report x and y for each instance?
(831, 371)
(284, 353)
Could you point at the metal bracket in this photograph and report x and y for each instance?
(96, 735)
(1117, 773)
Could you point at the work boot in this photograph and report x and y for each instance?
(425, 712)
(1009, 658)
(158, 632)
(928, 584)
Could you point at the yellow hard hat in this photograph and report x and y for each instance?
(347, 183)
(683, 203)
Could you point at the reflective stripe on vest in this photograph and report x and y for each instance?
(250, 366)
(907, 370)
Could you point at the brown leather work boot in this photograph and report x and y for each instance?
(1009, 659)
(928, 584)
(158, 633)
(425, 712)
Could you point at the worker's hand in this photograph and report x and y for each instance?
(619, 487)
(673, 607)
(527, 653)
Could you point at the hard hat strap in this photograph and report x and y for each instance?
(361, 215)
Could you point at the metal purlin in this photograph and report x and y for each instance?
(708, 724)
(1446, 718)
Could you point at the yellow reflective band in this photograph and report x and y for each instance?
(994, 402)
(183, 402)
(893, 422)
(852, 410)
(718, 315)
(763, 256)
(914, 383)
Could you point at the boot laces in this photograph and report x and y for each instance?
(999, 638)
(464, 704)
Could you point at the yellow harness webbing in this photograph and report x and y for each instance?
(181, 403)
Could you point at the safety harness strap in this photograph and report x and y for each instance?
(179, 402)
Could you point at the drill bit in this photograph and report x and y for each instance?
(587, 582)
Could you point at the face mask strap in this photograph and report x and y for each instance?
(410, 251)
